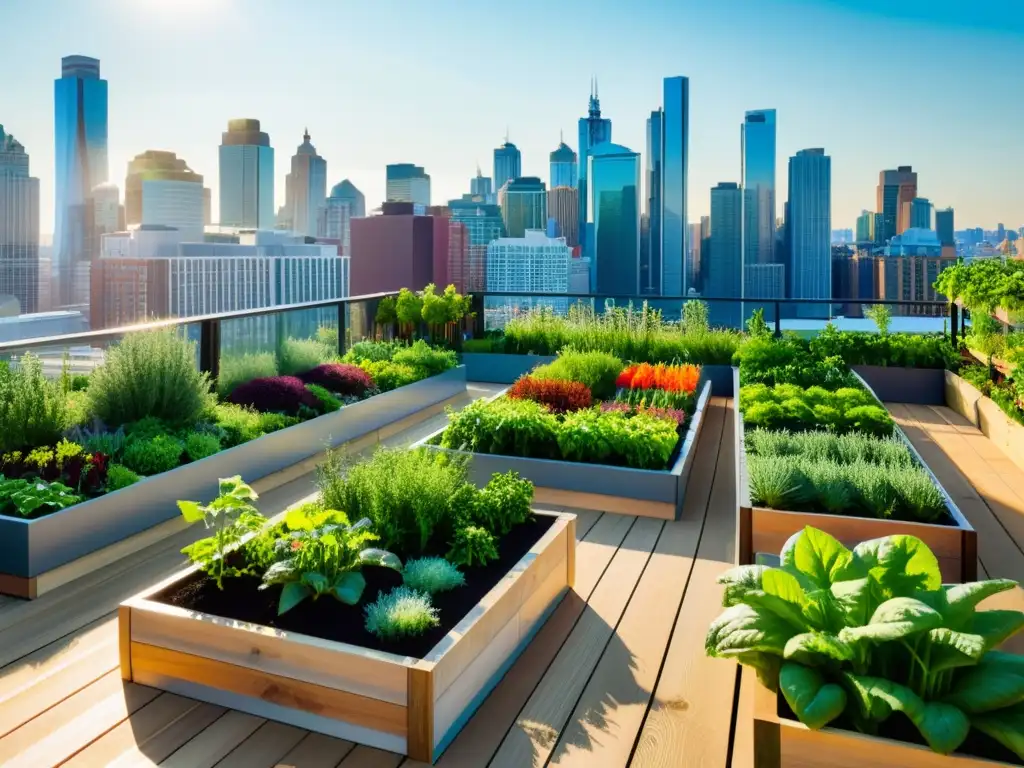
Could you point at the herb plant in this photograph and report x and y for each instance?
(503, 503)
(472, 546)
(432, 575)
(119, 476)
(850, 637)
(594, 369)
(151, 456)
(33, 409)
(557, 395)
(238, 369)
(402, 612)
(32, 498)
(296, 356)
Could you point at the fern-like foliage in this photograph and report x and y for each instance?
(432, 575)
(400, 613)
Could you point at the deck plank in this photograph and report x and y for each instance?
(316, 751)
(369, 757)
(265, 747)
(214, 742)
(174, 736)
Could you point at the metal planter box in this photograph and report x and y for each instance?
(496, 368)
(412, 706)
(31, 551)
(644, 492)
(917, 386)
(761, 530)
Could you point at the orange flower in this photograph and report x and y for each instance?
(672, 378)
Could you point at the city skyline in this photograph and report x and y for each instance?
(809, 93)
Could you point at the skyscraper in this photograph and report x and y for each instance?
(675, 161)
(408, 183)
(650, 250)
(724, 269)
(533, 263)
(80, 131)
(161, 189)
(508, 164)
(757, 142)
(392, 251)
(19, 226)
(594, 130)
(345, 203)
(483, 224)
(614, 179)
(246, 176)
(564, 168)
(921, 213)
(480, 186)
(894, 189)
(810, 225)
(944, 226)
(524, 205)
(865, 227)
(563, 208)
(306, 189)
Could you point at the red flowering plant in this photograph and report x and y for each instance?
(658, 386)
(557, 395)
(673, 414)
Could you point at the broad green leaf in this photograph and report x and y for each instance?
(783, 585)
(349, 587)
(894, 619)
(818, 557)
(766, 666)
(817, 648)
(965, 597)
(743, 628)
(315, 581)
(297, 520)
(281, 571)
(1011, 662)
(983, 689)
(293, 593)
(191, 511)
(901, 565)
(951, 649)
(815, 702)
(329, 539)
(856, 599)
(871, 708)
(739, 581)
(1005, 726)
(380, 557)
(361, 524)
(823, 612)
(996, 626)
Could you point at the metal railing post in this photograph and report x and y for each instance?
(209, 348)
(778, 320)
(342, 328)
(954, 311)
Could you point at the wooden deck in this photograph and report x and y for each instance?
(616, 677)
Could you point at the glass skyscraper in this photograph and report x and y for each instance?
(724, 267)
(480, 186)
(594, 130)
(650, 250)
(564, 167)
(757, 140)
(675, 159)
(80, 131)
(306, 188)
(614, 177)
(508, 165)
(483, 224)
(524, 205)
(162, 190)
(809, 224)
(944, 226)
(921, 213)
(344, 204)
(246, 176)
(407, 183)
(19, 226)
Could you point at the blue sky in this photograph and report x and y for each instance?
(878, 83)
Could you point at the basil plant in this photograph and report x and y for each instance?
(849, 637)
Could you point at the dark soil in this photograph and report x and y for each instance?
(331, 620)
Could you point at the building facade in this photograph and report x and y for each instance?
(593, 130)
(246, 176)
(508, 164)
(865, 232)
(895, 187)
(306, 189)
(408, 183)
(675, 147)
(534, 263)
(563, 209)
(724, 268)
(613, 175)
(757, 152)
(921, 213)
(161, 190)
(80, 132)
(945, 227)
(345, 203)
(480, 188)
(524, 205)
(392, 251)
(19, 226)
(650, 252)
(809, 225)
(483, 223)
(564, 167)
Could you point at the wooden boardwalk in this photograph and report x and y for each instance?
(616, 677)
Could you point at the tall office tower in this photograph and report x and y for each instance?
(534, 263)
(306, 190)
(921, 213)
(650, 261)
(944, 226)
(865, 227)
(483, 224)
(80, 130)
(408, 183)
(564, 166)
(480, 187)
(724, 271)
(894, 189)
(524, 205)
(246, 176)
(594, 130)
(757, 143)
(345, 203)
(508, 164)
(563, 209)
(693, 257)
(675, 161)
(392, 251)
(161, 189)
(19, 226)
(810, 225)
(614, 177)
(1000, 233)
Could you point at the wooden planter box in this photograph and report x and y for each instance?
(762, 530)
(1001, 430)
(783, 743)
(962, 397)
(41, 554)
(498, 368)
(643, 492)
(410, 706)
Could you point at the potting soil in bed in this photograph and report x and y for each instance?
(242, 600)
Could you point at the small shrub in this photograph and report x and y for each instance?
(280, 394)
(640, 441)
(199, 445)
(33, 409)
(557, 395)
(149, 374)
(238, 369)
(431, 575)
(430, 361)
(153, 455)
(340, 378)
(472, 546)
(372, 351)
(597, 370)
(119, 476)
(400, 613)
(272, 422)
(99, 440)
(239, 424)
(295, 356)
(504, 503)
(146, 428)
(388, 376)
(326, 401)
(504, 427)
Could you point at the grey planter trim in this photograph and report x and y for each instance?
(917, 386)
(659, 487)
(32, 547)
(499, 368)
(720, 377)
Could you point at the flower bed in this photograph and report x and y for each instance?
(306, 622)
(875, 661)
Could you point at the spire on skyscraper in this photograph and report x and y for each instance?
(305, 134)
(595, 102)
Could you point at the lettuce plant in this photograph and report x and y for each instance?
(849, 637)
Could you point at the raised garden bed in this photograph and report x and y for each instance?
(497, 368)
(761, 530)
(962, 397)
(410, 704)
(918, 386)
(37, 555)
(644, 492)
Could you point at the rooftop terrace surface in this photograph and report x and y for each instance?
(616, 677)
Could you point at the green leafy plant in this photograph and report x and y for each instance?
(426, 360)
(639, 440)
(372, 351)
(788, 406)
(199, 445)
(387, 375)
(295, 356)
(33, 409)
(431, 575)
(231, 517)
(881, 316)
(408, 310)
(850, 637)
(597, 370)
(238, 369)
(32, 498)
(324, 557)
(504, 427)
(472, 545)
(151, 456)
(329, 402)
(695, 317)
(789, 360)
(119, 476)
(505, 502)
(149, 374)
(757, 328)
(400, 613)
